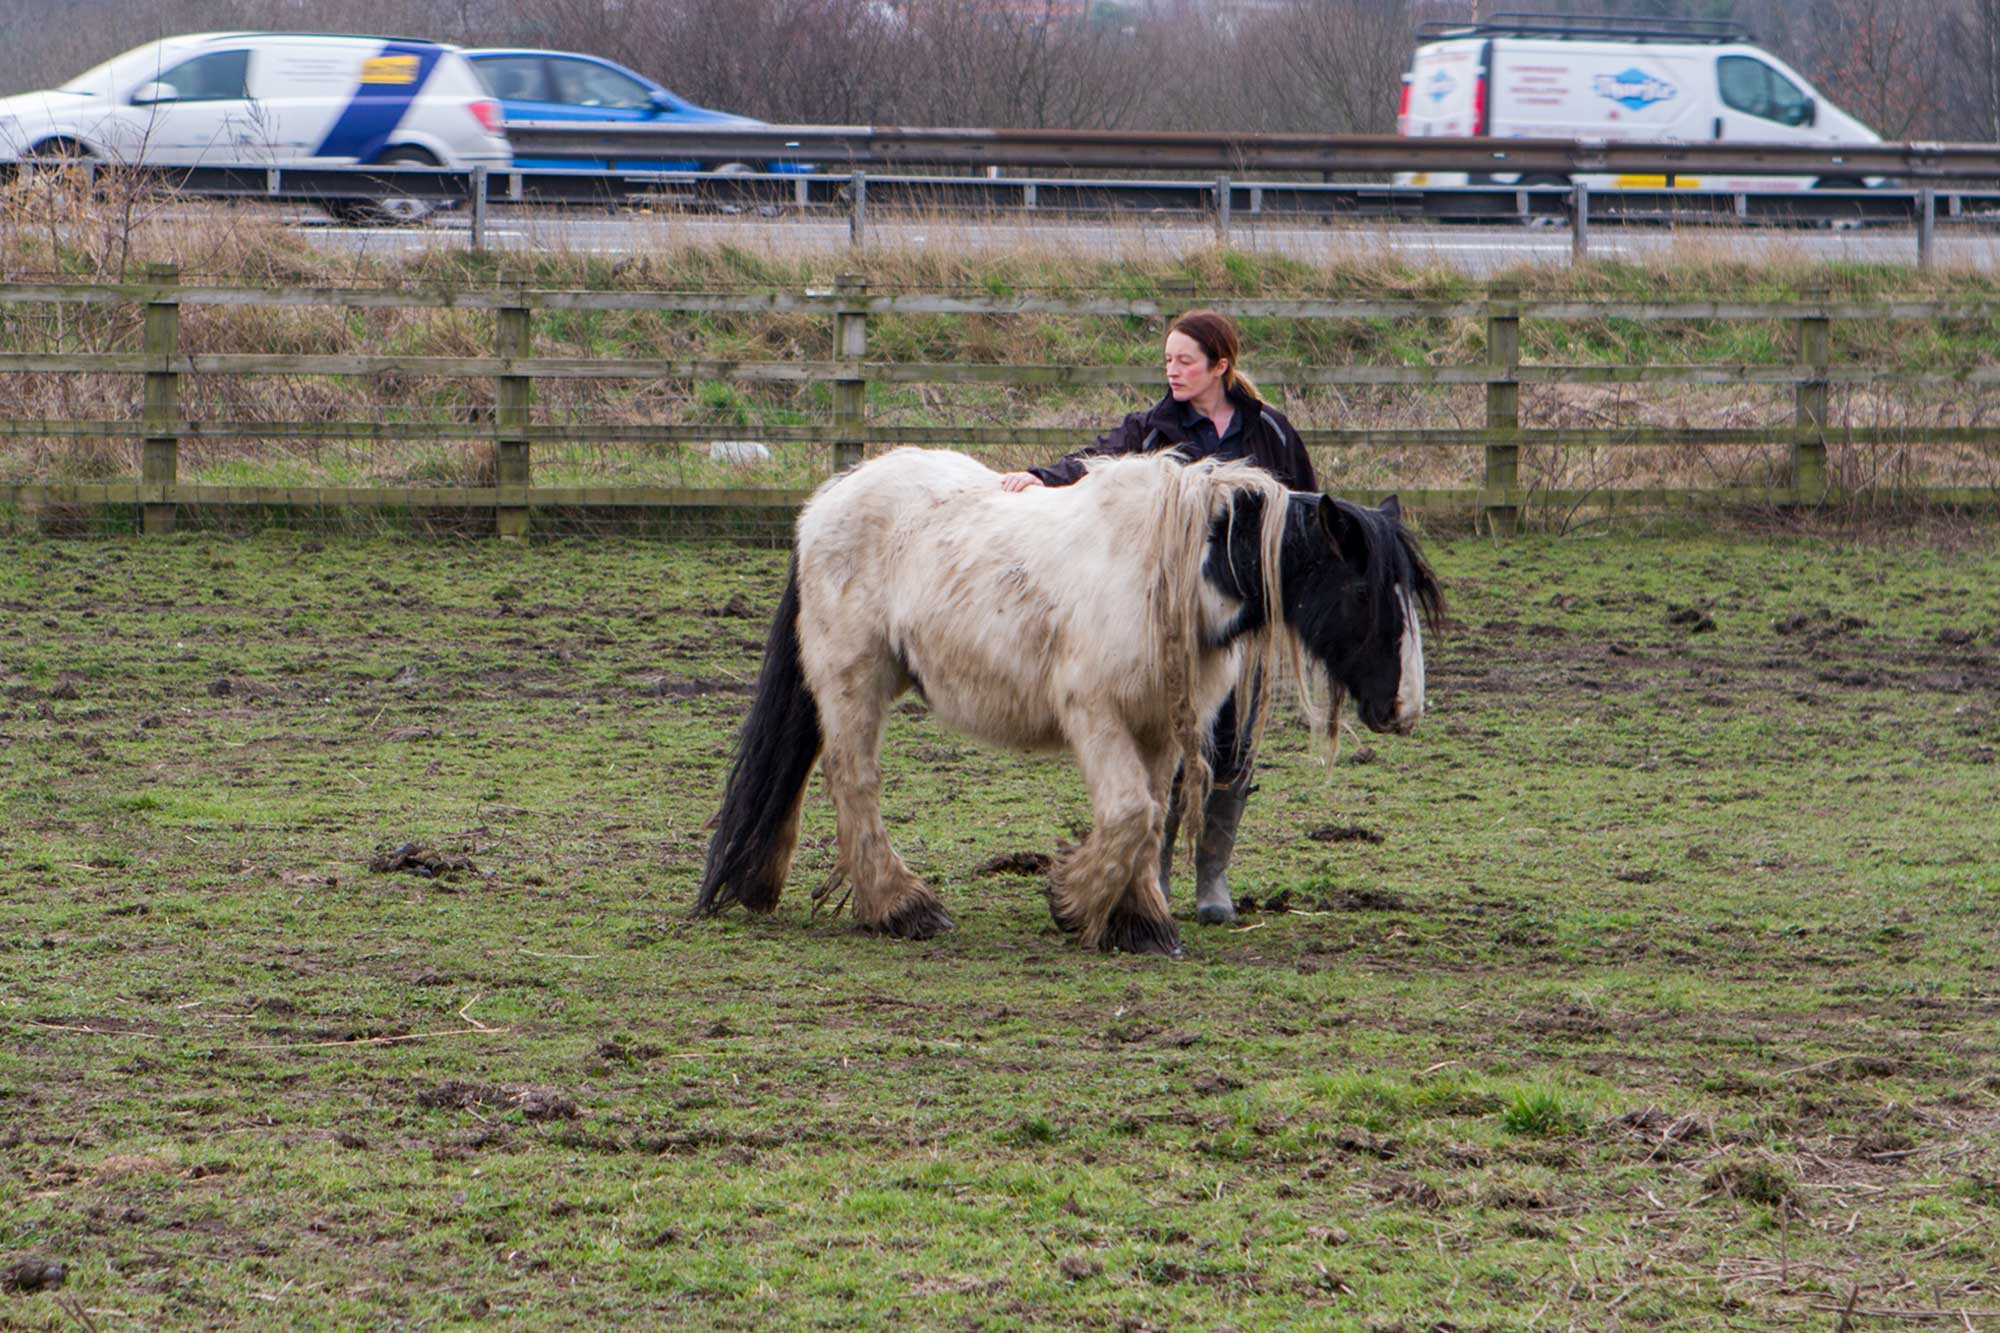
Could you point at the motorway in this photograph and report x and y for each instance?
(1474, 250)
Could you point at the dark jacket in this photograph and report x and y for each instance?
(1263, 436)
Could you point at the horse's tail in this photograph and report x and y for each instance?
(757, 828)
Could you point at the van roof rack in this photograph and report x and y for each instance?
(1575, 26)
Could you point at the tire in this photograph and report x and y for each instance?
(390, 210)
(1544, 220)
(61, 150)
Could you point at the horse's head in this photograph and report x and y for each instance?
(1356, 589)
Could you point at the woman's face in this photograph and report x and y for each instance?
(1189, 371)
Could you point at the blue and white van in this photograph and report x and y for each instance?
(267, 99)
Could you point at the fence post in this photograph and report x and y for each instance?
(1579, 223)
(1809, 457)
(159, 458)
(857, 218)
(850, 393)
(479, 177)
(1503, 406)
(1927, 227)
(513, 338)
(1222, 210)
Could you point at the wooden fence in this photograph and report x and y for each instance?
(848, 306)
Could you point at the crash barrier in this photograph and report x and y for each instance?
(1916, 184)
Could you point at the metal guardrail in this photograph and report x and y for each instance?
(1221, 197)
(875, 146)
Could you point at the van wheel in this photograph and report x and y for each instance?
(1840, 183)
(392, 210)
(1545, 219)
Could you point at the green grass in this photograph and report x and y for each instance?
(1666, 997)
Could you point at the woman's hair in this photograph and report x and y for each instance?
(1217, 338)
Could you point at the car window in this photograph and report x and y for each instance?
(219, 76)
(1754, 88)
(515, 78)
(1789, 106)
(581, 83)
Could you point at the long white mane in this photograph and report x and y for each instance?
(1191, 498)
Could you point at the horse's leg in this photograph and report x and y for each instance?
(1108, 890)
(887, 897)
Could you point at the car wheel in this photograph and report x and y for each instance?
(61, 150)
(392, 210)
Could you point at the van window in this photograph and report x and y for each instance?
(581, 83)
(1754, 88)
(219, 76)
(515, 78)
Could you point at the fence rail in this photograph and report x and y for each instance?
(848, 306)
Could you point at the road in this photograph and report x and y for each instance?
(1475, 250)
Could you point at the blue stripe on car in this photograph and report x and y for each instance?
(368, 120)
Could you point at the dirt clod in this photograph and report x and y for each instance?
(25, 1275)
(1694, 619)
(531, 1100)
(418, 859)
(1077, 1267)
(1017, 863)
(1345, 833)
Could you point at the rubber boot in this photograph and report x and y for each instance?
(1224, 811)
(1173, 832)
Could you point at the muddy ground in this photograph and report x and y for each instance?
(346, 978)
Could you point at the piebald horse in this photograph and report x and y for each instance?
(1112, 617)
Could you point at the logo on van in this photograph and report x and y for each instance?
(389, 69)
(1635, 89)
(1441, 87)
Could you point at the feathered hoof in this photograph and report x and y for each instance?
(1132, 932)
(918, 919)
(1069, 924)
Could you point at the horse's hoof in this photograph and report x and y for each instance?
(916, 920)
(1130, 932)
(1216, 914)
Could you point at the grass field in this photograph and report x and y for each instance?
(1652, 983)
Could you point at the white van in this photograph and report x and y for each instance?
(1546, 76)
(267, 99)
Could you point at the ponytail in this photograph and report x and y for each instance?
(1236, 380)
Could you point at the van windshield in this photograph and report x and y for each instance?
(134, 66)
(1754, 88)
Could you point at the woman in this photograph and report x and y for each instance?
(1211, 410)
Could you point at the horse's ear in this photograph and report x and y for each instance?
(1344, 532)
(1392, 508)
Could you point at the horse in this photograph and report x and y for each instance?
(1113, 617)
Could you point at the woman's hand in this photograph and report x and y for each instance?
(1019, 481)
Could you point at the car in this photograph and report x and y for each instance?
(1545, 76)
(270, 99)
(564, 85)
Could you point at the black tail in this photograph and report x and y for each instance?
(758, 826)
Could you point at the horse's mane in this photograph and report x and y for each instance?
(1189, 499)
(1395, 559)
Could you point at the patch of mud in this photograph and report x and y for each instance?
(417, 859)
(1016, 863)
(533, 1101)
(1345, 833)
(26, 1275)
